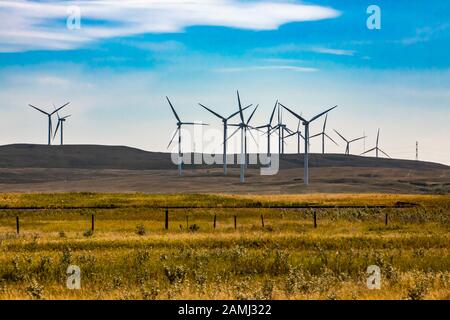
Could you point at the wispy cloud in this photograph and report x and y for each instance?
(32, 25)
(424, 34)
(263, 68)
(286, 48)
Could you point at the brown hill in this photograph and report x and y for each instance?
(42, 168)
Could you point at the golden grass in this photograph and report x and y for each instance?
(287, 259)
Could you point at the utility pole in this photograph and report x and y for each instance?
(417, 150)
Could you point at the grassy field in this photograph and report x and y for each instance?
(131, 256)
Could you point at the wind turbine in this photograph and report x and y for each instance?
(269, 127)
(306, 123)
(299, 135)
(281, 130)
(179, 124)
(49, 115)
(376, 148)
(61, 121)
(347, 148)
(243, 126)
(323, 134)
(225, 127)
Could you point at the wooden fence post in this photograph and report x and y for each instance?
(386, 218)
(262, 221)
(235, 222)
(92, 223)
(187, 222)
(17, 225)
(215, 219)
(166, 225)
(315, 219)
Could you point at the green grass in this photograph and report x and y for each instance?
(287, 259)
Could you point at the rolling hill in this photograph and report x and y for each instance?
(42, 168)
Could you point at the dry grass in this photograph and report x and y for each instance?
(287, 259)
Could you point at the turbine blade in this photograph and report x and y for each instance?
(238, 112)
(330, 139)
(251, 134)
(173, 137)
(56, 131)
(340, 135)
(367, 151)
(378, 136)
(292, 134)
(251, 116)
(173, 109)
(357, 139)
(214, 113)
(60, 108)
(235, 131)
(195, 123)
(325, 123)
(384, 153)
(293, 113)
(38, 109)
(240, 107)
(316, 135)
(273, 112)
(321, 114)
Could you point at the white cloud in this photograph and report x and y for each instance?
(337, 52)
(262, 68)
(301, 48)
(33, 25)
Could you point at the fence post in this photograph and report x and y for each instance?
(215, 219)
(166, 225)
(92, 223)
(315, 219)
(187, 222)
(386, 218)
(17, 225)
(235, 222)
(262, 221)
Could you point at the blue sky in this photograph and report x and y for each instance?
(128, 56)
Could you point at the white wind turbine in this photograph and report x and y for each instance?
(306, 123)
(243, 126)
(179, 124)
(376, 147)
(49, 115)
(324, 134)
(348, 142)
(60, 124)
(225, 127)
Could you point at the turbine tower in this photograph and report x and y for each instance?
(49, 115)
(225, 127)
(348, 142)
(282, 128)
(306, 123)
(61, 121)
(269, 128)
(179, 124)
(324, 134)
(376, 147)
(243, 126)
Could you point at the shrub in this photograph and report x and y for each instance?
(140, 230)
